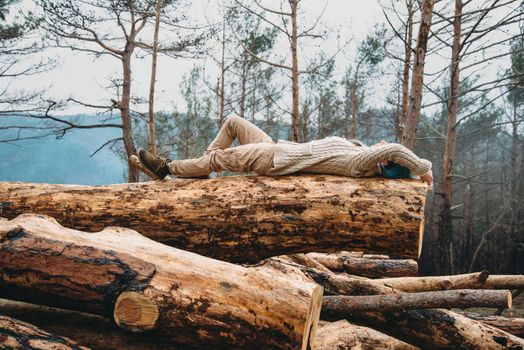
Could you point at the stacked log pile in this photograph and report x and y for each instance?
(123, 290)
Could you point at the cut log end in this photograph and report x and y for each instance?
(510, 300)
(420, 236)
(313, 315)
(135, 312)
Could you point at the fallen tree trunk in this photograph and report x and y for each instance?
(148, 286)
(241, 219)
(511, 325)
(372, 268)
(428, 329)
(15, 334)
(338, 306)
(92, 331)
(338, 335)
(433, 283)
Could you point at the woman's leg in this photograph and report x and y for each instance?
(236, 128)
(253, 157)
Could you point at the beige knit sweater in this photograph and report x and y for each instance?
(338, 156)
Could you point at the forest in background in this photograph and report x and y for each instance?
(422, 77)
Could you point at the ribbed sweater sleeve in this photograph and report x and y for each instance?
(369, 157)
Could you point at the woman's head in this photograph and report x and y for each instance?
(392, 170)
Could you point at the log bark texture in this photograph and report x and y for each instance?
(338, 335)
(242, 219)
(463, 298)
(438, 329)
(511, 325)
(372, 268)
(428, 329)
(92, 331)
(15, 334)
(505, 282)
(374, 340)
(195, 300)
(433, 283)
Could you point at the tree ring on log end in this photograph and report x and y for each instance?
(135, 312)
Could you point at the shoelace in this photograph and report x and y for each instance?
(158, 163)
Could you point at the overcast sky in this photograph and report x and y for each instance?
(84, 78)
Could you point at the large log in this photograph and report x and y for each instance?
(373, 268)
(462, 298)
(147, 285)
(242, 219)
(92, 331)
(15, 334)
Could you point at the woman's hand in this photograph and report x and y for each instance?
(428, 178)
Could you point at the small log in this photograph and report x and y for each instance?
(372, 268)
(338, 306)
(146, 285)
(93, 331)
(374, 340)
(15, 334)
(335, 283)
(338, 335)
(434, 283)
(241, 218)
(511, 325)
(505, 282)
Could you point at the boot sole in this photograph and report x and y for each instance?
(136, 161)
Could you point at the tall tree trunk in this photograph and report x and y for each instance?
(407, 63)
(127, 123)
(354, 104)
(222, 75)
(294, 71)
(152, 137)
(417, 79)
(513, 250)
(243, 88)
(445, 225)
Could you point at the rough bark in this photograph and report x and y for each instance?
(437, 329)
(417, 78)
(429, 329)
(462, 298)
(15, 334)
(511, 325)
(338, 284)
(423, 284)
(372, 268)
(193, 299)
(374, 340)
(241, 219)
(338, 335)
(89, 330)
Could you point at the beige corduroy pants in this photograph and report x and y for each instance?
(255, 153)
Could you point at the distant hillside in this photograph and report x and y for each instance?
(64, 160)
